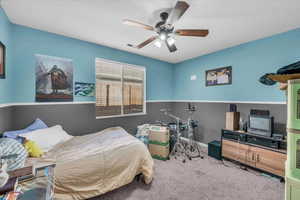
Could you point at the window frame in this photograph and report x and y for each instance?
(122, 110)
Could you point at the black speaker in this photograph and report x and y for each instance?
(232, 108)
(214, 150)
(259, 112)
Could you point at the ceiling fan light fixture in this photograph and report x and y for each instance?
(157, 43)
(171, 41)
(165, 30)
(163, 36)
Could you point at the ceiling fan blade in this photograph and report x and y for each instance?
(172, 48)
(146, 42)
(192, 32)
(177, 12)
(137, 24)
(143, 43)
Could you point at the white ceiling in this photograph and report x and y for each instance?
(231, 22)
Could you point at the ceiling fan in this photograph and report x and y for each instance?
(165, 28)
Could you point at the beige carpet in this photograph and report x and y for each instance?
(206, 179)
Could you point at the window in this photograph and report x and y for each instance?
(120, 89)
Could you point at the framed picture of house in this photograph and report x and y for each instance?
(2, 60)
(219, 76)
(54, 79)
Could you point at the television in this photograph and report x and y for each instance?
(261, 125)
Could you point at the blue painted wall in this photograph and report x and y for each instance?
(5, 38)
(249, 61)
(165, 81)
(28, 42)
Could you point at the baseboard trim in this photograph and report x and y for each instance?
(4, 105)
(208, 101)
(159, 101)
(241, 102)
(199, 143)
(148, 101)
(45, 103)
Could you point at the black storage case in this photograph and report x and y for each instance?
(215, 150)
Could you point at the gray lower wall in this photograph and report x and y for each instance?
(211, 117)
(5, 119)
(79, 119)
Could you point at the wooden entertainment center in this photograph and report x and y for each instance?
(264, 153)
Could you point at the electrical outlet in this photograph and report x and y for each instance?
(193, 77)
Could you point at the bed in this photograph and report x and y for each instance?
(91, 165)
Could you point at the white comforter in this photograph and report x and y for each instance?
(94, 164)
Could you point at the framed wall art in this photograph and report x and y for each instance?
(54, 79)
(84, 89)
(219, 76)
(2, 60)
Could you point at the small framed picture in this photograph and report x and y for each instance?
(219, 76)
(84, 89)
(2, 60)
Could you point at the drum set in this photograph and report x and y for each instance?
(184, 147)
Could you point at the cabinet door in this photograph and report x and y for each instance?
(234, 150)
(270, 161)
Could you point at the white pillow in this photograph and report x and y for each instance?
(47, 138)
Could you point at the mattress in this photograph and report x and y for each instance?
(91, 165)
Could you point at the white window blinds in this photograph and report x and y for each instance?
(120, 89)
